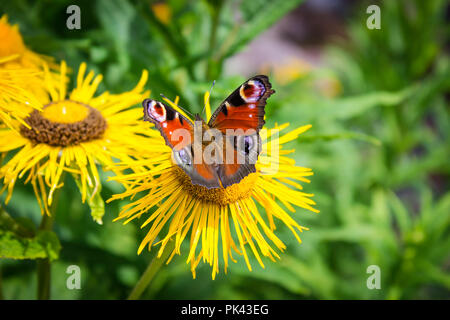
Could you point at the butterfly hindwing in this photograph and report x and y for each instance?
(243, 150)
(200, 173)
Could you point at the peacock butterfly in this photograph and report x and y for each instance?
(223, 151)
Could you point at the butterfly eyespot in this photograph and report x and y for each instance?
(248, 144)
(244, 144)
(183, 157)
(252, 91)
(156, 111)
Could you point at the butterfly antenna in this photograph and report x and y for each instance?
(177, 105)
(209, 96)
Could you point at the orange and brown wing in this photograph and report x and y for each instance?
(178, 132)
(244, 108)
(239, 159)
(176, 129)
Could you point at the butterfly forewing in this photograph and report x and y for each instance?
(244, 108)
(176, 129)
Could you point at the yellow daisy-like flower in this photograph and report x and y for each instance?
(73, 133)
(14, 49)
(21, 74)
(12, 89)
(210, 215)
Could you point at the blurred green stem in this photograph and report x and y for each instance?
(44, 265)
(212, 66)
(1, 279)
(175, 44)
(150, 272)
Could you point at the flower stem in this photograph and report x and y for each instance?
(1, 279)
(212, 67)
(149, 273)
(43, 272)
(44, 265)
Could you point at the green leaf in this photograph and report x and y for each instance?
(400, 213)
(276, 274)
(259, 16)
(94, 200)
(341, 135)
(116, 17)
(357, 233)
(44, 245)
(97, 206)
(22, 227)
(314, 274)
(349, 107)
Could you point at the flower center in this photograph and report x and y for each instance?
(221, 196)
(66, 111)
(64, 123)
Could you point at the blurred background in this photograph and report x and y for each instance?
(378, 101)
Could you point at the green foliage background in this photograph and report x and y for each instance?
(380, 151)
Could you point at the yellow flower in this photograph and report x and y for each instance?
(210, 215)
(12, 89)
(13, 47)
(73, 133)
(162, 12)
(289, 70)
(329, 86)
(21, 74)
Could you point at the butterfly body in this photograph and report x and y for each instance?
(223, 151)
